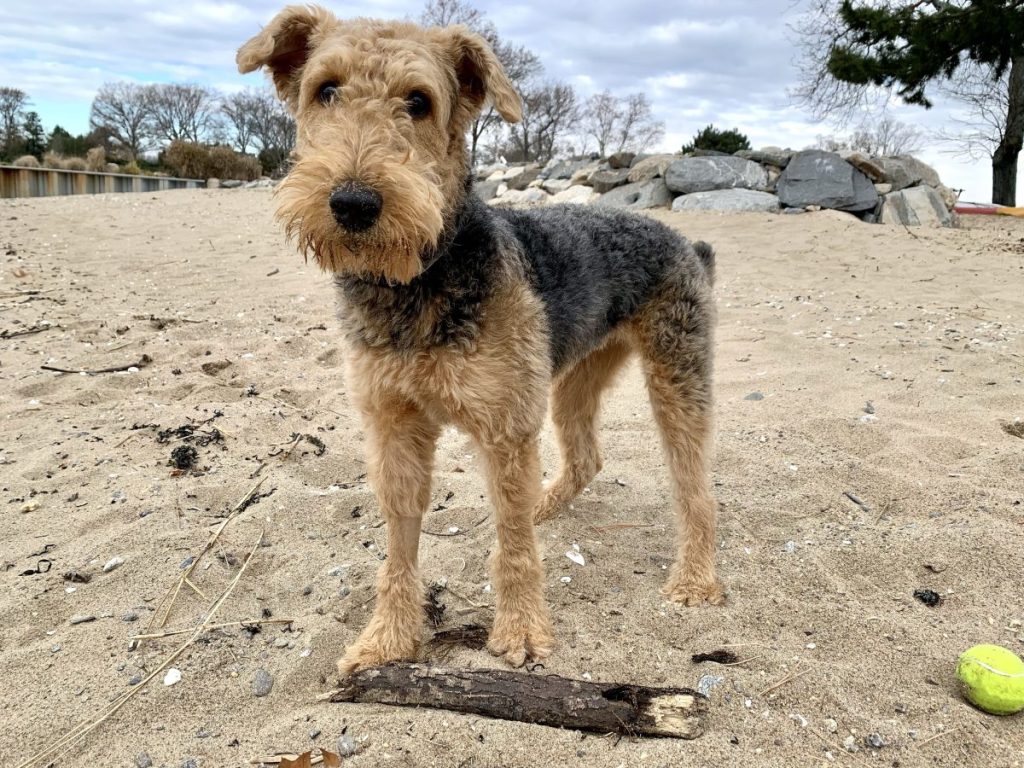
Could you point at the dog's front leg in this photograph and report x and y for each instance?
(522, 624)
(401, 442)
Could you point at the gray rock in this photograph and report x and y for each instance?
(190, 762)
(564, 169)
(262, 683)
(727, 200)
(582, 175)
(347, 746)
(915, 207)
(754, 396)
(529, 196)
(143, 761)
(577, 195)
(487, 190)
(554, 186)
(82, 619)
(904, 171)
(522, 180)
(621, 160)
(650, 168)
(883, 189)
(709, 153)
(768, 156)
(130, 616)
(874, 740)
(707, 683)
(231, 183)
(113, 563)
(606, 181)
(703, 174)
(814, 177)
(640, 196)
(864, 164)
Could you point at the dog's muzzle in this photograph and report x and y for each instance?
(356, 207)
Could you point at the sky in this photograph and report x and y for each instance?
(726, 62)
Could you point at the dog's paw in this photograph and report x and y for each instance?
(519, 642)
(692, 593)
(371, 651)
(550, 505)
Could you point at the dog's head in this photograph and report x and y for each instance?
(381, 109)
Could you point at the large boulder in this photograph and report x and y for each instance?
(650, 167)
(864, 164)
(606, 181)
(529, 196)
(582, 175)
(576, 195)
(487, 189)
(621, 160)
(554, 186)
(727, 200)
(703, 174)
(522, 178)
(915, 207)
(564, 169)
(824, 179)
(639, 196)
(768, 156)
(904, 171)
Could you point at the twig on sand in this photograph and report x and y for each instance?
(856, 500)
(785, 681)
(166, 603)
(27, 332)
(211, 627)
(142, 363)
(938, 735)
(83, 729)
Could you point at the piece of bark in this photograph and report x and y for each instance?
(561, 702)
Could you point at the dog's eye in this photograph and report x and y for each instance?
(325, 93)
(418, 104)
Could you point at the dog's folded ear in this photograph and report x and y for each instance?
(481, 76)
(283, 46)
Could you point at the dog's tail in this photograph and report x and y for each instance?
(706, 254)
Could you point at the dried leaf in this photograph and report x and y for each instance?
(331, 760)
(302, 761)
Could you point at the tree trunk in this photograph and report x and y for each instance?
(560, 702)
(1004, 159)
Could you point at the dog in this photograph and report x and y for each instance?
(458, 313)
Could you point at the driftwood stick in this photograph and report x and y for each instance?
(142, 363)
(631, 710)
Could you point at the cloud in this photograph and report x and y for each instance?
(727, 62)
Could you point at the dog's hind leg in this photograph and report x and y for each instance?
(675, 338)
(401, 442)
(575, 400)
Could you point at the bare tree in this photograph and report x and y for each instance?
(620, 124)
(601, 115)
(550, 113)
(272, 130)
(12, 105)
(883, 138)
(986, 99)
(121, 111)
(182, 112)
(444, 13)
(240, 111)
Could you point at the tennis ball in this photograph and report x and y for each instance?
(992, 679)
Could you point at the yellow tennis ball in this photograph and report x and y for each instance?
(992, 679)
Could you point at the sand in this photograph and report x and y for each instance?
(819, 316)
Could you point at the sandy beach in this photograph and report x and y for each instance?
(868, 380)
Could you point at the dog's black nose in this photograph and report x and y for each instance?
(356, 207)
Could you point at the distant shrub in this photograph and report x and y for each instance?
(75, 164)
(196, 161)
(53, 160)
(96, 159)
(712, 138)
(131, 168)
(27, 161)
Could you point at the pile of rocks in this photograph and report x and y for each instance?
(891, 190)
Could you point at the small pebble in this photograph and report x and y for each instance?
(262, 683)
(791, 547)
(187, 562)
(754, 396)
(707, 683)
(831, 725)
(281, 642)
(113, 563)
(202, 733)
(190, 763)
(130, 616)
(135, 680)
(143, 761)
(347, 746)
(55, 648)
(307, 590)
(82, 619)
(875, 741)
(850, 744)
(172, 677)
(314, 733)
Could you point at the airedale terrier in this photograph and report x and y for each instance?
(459, 313)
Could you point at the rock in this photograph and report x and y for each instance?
(915, 207)
(213, 183)
(190, 762)
(487, 190)
(231, 184)
(702, 174)
(874, 740)
(113, 563)
(727, 200)
(529, 196)
(904, 171)
(498, 174)
(650, 168)
(564, 169)
(606, 181)
(522, 179)
(754, 396)
(850, 744)
(582, 176)
(767, 156)
(173, 676)
(262, 683)
(864, 164)
(260, 183)
(130, 616)
(82, 619)
(347, 746)
(709, 153)
(831, 725)
(514, 172)
(949, 197)
(883, 189)
(143, 760)
(814, 177)
(486, 171)
(708, 683)
(554, 186)
(640, 196)
(621, 160)
(576, 195)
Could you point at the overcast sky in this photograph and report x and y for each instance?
(727, 62)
